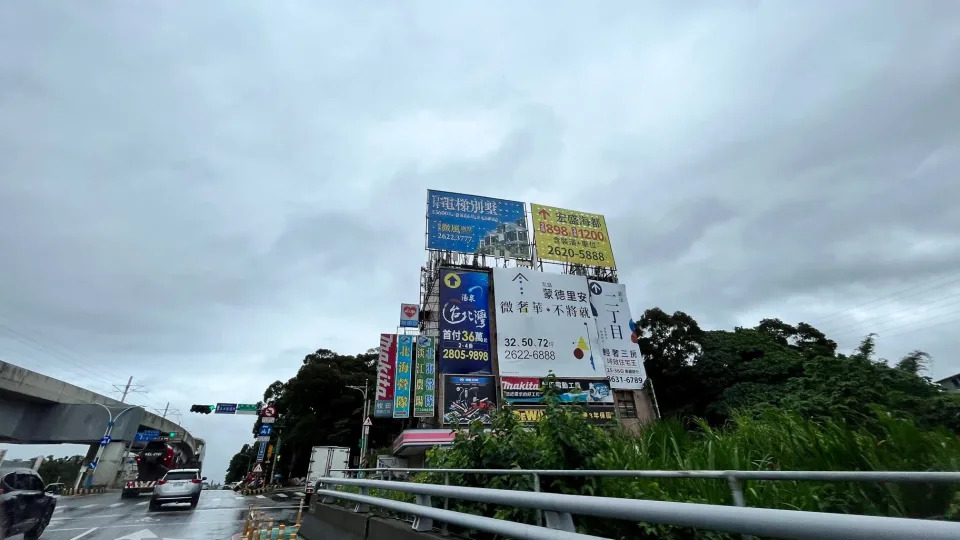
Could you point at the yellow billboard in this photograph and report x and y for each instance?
(571, 237)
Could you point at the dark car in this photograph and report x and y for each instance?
(24, 506)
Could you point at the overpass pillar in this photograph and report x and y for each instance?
(110, 464)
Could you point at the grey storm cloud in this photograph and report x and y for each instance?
(198, 194)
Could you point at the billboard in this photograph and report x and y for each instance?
(425, 377)
(544, 324)
(600, 414)
(401, 387)
(386, 369)
(530, 390)
(571, 237)
(464, 322)
(616, 334)
(468, 398)
(409, 315)
(472, 224)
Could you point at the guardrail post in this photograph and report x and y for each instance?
(362, 508)
(736, 491)
(562, 521)
(325, 499)
(446, 503)
(536, 489)
(423, 524)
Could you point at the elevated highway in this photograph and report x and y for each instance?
(37, 409)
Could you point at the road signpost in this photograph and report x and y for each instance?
(105, 440)
(226, 408)
(269, 411)
(246, 408)
(265, 430)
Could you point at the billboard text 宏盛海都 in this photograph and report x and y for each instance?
(386, 369)
(401, 388)
(474, 224)
(544, 324)
(466, 399)
(464, 322)
(425, 377)
(617, 335)
(571, 237)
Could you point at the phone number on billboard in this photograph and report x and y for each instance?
(625, 380)
(464, 354)
(572, 231)
(527, 354)
(570, 253)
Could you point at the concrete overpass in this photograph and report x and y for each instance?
(37, 409)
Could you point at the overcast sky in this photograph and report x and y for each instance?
(197, 194)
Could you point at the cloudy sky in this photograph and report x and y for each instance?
(198, 194)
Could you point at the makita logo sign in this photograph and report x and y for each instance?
(519, 384)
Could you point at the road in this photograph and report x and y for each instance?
(219, 515)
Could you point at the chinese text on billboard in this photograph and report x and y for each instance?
(401, 390)
(386, 368)
(531, 390)
(601, 414)
(571, 237)
(544, 324)
(425, 378)
(617, 337)
(466, 399)
(464, 322)
(409, 315)
(472, 224)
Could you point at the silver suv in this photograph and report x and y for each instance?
(178, 486)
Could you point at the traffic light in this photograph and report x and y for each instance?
(203, 409)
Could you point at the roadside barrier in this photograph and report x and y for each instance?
(259, 491)
(83, 491)
(258, 526)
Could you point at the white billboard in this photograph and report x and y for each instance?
(616, 332)
(544, 323)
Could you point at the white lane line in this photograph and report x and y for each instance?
(81, 535)
(59, 508)
(281, 495)
(261, 497)
(143, 503)
(238, 498)
(98, 516)
(88, 506)
(114, 505)
(140, 525)
(300, 494)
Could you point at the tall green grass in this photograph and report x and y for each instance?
(770, 440)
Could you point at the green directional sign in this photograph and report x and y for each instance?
(246, 408)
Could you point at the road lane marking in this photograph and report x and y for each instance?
(114, 505)
(140, 525)
(87, 506)
(282, 496)
(81, 535)
(59, 508)
(143, 503)
(261, 497)
(300, 494)
(98, 516)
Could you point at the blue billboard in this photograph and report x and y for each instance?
(464, 322)
(401, 388)
(481, 225)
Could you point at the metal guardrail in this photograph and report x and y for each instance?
(559, 509)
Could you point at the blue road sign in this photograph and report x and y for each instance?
(265, 430)
(147, 435)
(92, 465)
(226, 408)
(261, 452)
(105, 440)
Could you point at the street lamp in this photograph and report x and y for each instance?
(107, 432)
(364, 429)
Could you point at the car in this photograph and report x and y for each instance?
(178, 486)
(25, 508)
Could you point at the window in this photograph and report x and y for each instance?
(182, 476)
(626, 406)
(30, 482)
(8, 482)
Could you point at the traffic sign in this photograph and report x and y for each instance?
(269, 411)
(265, 430)
(263, 438)
(258, 469)
(367, 422)
(261, 451)
(246, 408)
(105, 440)
(226, 408)
(267, 419)
(147, 435)
(92, 465)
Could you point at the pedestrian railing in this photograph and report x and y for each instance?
(556, 511)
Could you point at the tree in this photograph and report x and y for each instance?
(670, 345)
(64, 469)
(240, 463)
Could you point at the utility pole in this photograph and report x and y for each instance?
(364, 430)
(126, 389)
(165, 409)
(276, 454)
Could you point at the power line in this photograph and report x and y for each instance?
(856, 327)
(892, 295)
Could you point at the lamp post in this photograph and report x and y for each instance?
(364, 430)
(106, 433)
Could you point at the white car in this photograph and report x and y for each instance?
(178, 486)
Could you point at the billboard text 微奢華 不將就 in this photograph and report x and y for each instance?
(425, 377)
(544, 324)
(464, 322)
(403, 377)
(532, 390)
(386, 370)
(474, 224)
(571, 237)
(617, 335)
(468, 398)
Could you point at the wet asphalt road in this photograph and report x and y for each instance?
(219, 515)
